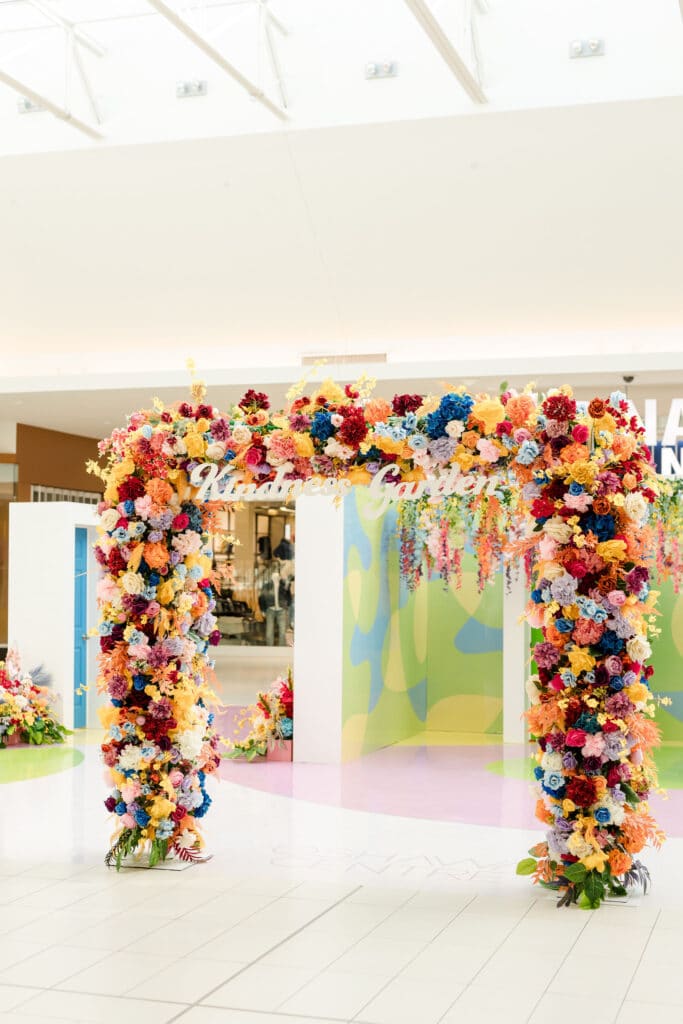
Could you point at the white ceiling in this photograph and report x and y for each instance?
(524, 50)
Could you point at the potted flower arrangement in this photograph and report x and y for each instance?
(271, 724)
(26, 706)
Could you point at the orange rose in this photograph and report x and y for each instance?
(630, 481)
(156, 555)
(623, 445)
(597, 408)
(470, 438)
(519, 409)
(619, 862)
(159, 491)
(574, 453)
(601, 506)
(377, 411)
(543, 814)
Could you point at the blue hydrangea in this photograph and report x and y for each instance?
(564, 625)
(603, 527)
(141, 817)
(165, 829)
(528, 451)
(322, 428)
(287, 728)
(451, 407)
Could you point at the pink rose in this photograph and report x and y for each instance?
(594, 745)
(616, 597)
(488, 450)
(580, 433)
(614, 665)
(128, 820)
(547, 548)
(521, 434)
(253, 458)
(575, 738)
(175, 778)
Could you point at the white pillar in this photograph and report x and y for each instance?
(515, 661)
(318, 632)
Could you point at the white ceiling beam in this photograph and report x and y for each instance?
(54, 108)
(212, 53)
(79, 35)
(447, 51)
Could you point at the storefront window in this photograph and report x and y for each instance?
(255, 605)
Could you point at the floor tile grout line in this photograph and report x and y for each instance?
(488, 959)
(298, 931)
(109, 952)
(561, 965)
(353, 946)
(425, 947)
(640, 960)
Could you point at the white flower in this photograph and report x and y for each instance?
(455, 428)
(636, 507)
(532, 691)
(189, 743)
(109, 519)
(133, 583)
(215, 451)
(336, 450)
(241, 434)
(558, 530)
(186, 839)
(638, 649)
(336, 420)
(577, 845)
(180, 447)
(551, 761)
(130, 758)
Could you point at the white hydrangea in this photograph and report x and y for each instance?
(189, 743)
(551, 761)
(636, 507)
(130, 758)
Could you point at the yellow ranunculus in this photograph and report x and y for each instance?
(161, 808)
(464, 458)
(612, 550)
(490, 412)
(304, 445)
(637, 693)
(358, 475)
(595, 861)
(580, 660)
(582, 472)
(202, 425)
(430, 403)
(122, 470)
(196, 445)
(108, 715)
(165, 592)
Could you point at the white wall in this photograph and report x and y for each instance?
(41, 591)
(318, 649)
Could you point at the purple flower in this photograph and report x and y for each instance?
(546, 655)
(563, 589)
(615, 745)
(569, 761)
(442, 448)
(619, 705)
(636, 578)
(299, 421)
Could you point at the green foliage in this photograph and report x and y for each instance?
(575, 872)
(126, 844)
(593, 891)
(526, 866)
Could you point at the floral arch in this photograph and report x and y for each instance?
(583, 487)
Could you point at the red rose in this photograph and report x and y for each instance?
(351, 392)
(610, 727)
(581, 791)
(575, 738)
(403, 404)
(178, 814)
(116, 562)
(186, 410)
(542, 508)
(354, 428)
(580, 433)
(559, 407)
(505, 427)
(180, 522)
(130, 489)
(254, 400)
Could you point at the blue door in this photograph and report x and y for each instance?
(80, 627)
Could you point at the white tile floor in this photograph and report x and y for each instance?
(312, 915)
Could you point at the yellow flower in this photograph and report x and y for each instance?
(464, 458)
(582, 472)
(358, 475)
(430, 403)
(637, 693)
(165, 592)
(122, 469)
(612, 550)
(580, 660)
(196, 445)
(490, 412)
(108, 715)
(568, 807)
(595, 861)
(304, 445)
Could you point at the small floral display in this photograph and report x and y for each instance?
(27, 706)
(270, 720)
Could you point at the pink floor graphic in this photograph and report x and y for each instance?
(439, 783)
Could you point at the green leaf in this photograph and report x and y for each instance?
(526, 866)
(630, 794)
(594, 889)
(503, 387)
(575, 872)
